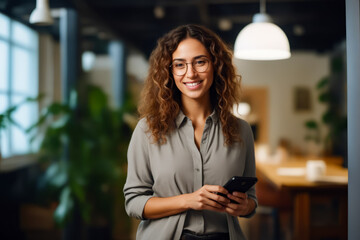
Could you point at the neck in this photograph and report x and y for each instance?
(196, 109)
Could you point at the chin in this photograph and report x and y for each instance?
(194, 96)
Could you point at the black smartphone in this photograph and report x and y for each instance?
(239, 184)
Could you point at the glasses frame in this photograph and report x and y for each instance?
(192, 64)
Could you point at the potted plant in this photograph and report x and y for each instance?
(83, 151)
(335, 121)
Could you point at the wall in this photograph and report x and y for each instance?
(49, 69)
(303, 69)
(101, 74)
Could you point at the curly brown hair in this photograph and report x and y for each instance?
(160, 101)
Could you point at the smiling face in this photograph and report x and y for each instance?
(193, 85)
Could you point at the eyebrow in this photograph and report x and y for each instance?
(197, 57)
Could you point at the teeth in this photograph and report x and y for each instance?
(192, 84)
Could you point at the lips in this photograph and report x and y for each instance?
(192, 84)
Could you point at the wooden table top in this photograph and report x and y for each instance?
(292, 174)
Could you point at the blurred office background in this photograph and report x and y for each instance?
(61, 177)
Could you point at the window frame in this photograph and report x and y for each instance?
(9, 92)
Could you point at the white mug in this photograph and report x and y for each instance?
(315, 169)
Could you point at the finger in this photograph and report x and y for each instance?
(234, 198)
(216, 189)
(236, 209)
(213, 205)
(233, 212)
(215, 197)
(238, 200)
(217, 193)
(236, 206)
(222, 199)
(240, 195)
(222, 209)
(211, 199)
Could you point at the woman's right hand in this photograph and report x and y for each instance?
(206, 198)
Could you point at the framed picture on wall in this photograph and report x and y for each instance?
(302, 99)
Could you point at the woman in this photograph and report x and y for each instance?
(187, 144)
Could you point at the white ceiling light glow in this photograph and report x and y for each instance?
(261, 39)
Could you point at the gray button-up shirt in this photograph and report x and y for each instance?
(179, 167)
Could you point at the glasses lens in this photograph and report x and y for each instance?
(201, 65)
(178, 68)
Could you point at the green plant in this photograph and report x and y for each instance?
(313, 133)
(6, 118)
(84, 154)
(332, 118)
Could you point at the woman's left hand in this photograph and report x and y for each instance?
(243, 207)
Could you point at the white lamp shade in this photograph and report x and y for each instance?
(262, 41)
(41, 14)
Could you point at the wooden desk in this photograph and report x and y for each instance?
(304, 193)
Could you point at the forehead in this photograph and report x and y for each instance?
(189, 48)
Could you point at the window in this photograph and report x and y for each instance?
(18, 80)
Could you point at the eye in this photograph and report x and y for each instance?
(179, 65)
(200, 62)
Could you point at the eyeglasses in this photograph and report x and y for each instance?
(180, 67)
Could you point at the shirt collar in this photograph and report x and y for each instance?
(214, 116)
(181, 117)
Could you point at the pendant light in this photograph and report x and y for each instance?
(261, 39)
(41, 14)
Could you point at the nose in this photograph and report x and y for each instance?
(190, 72)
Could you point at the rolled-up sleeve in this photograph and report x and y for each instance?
(139, 181)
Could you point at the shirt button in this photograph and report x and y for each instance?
(197, 169)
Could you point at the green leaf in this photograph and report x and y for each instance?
(13, 122)
(35, 99)
(60, 123)
(324, 82)
(66, 205)
(11, 110)
(56, 174)
(325, 97)
(311, 124)
(328, 117)
(97, 101)
(56, 109)
(36, 124)
(2, 121)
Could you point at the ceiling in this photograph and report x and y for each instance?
(309, 24)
